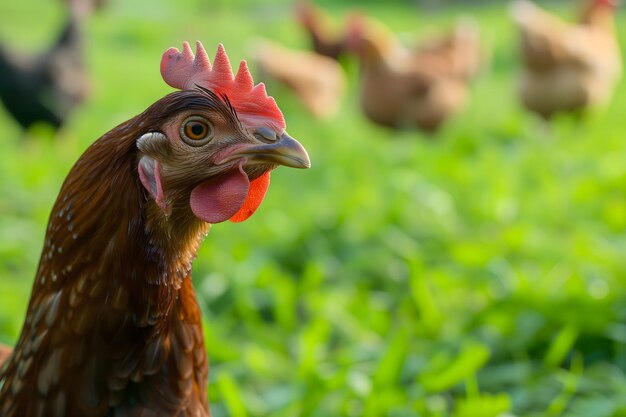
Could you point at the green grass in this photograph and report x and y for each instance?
(476, 273)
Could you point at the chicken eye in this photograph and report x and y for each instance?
(196, 131)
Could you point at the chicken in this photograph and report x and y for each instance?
(46, 87)
(317, 23)
(113, 326)
(318, 81)
(567, 67)
(419, 87)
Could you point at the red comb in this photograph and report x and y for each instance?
(184, 71)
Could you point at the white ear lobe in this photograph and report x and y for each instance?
(150, 176)
(153, 143)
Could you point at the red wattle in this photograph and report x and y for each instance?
(218, 199)
(256, 193)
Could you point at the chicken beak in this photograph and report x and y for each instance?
(284, 151)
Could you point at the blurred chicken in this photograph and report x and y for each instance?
(567, 66)
(318, 81)
(413, 88)
(325, 40)
(46, 87)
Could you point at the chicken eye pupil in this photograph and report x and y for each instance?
(197, 129)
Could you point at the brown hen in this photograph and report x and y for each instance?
(567, 66)
(419, 87)
(113, 327)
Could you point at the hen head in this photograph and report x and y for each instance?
(213, 153)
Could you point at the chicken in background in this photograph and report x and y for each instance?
(48, 86)
(419, 87)
(567, 66)
(326, 39)
(319, 82)
(113, 327)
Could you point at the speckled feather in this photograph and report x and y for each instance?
(113, 327)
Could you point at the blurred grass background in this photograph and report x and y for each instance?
(480, 272)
